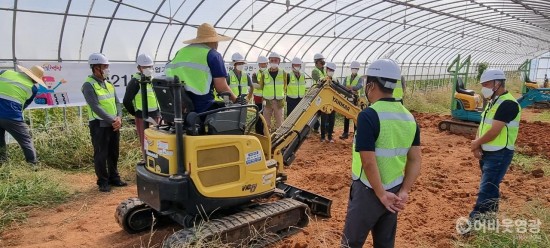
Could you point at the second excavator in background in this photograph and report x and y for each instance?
(467, 106)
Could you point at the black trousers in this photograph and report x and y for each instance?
(327, 124)
(259, 127)
(291, 104)
(20, 132)
(346, 126)
(367, 214)
(106, 146)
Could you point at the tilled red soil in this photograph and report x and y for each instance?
(445, 191)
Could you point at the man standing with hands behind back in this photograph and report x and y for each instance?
(385, 163)
(105, 113)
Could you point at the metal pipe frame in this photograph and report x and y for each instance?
(523, 28)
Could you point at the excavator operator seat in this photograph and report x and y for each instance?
(461, 89)
(164, 91)
(227, 121)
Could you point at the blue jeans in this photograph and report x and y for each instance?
(493, 168)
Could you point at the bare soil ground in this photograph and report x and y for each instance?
(445, 191)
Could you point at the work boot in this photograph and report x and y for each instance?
(344, 136)
(104, 188)
(118, 183)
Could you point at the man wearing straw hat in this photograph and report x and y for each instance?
(17, 91)
(201, 69)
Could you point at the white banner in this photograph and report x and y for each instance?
(64, 80)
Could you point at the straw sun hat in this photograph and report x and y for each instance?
(36, 73)
(206, 33)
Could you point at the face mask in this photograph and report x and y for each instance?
(297, 68)
(487, 92)
(274, 66)
(330, 73)
(354, 71)
(239, 67)
(148, 72)
(106, 73)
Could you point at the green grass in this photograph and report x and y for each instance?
(21, 188)
(435, 101)
(61, 150)
(527, 163)
(516, 238)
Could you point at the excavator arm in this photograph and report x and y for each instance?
(324, 97)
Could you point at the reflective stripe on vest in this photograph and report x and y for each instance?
(191, 66)
(509, 133)
(274, 89)
(259, 92)
(15, 86)
(105, 96)
(398, 91)
(152, 104)
(397, 131)
(360, 92)
(234, 83)
(296, 88)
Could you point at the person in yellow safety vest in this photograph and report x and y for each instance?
(316, 75)
(495, 140)
(105, 112)
(385, 163)
(239, 81)
(273, 86)
(132, 98)
(17, 91)
(296, 88)
(352, 83)
(327, 120)
(201, 69)
(258, 93)
(398, 92)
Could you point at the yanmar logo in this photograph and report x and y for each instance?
(343, 105)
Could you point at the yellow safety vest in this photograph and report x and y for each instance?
(508, 134)
(296, 88)
(152, 104)
(105, 96)
(15, 86)
(397, 131)
(235, 84)
(274, 89)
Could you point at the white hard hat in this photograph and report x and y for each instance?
(237, 57)
(318, 56)
(274, 55)
(331, 66)
(262, 59)
(385, 68)
(492, 74)
(144, 60)
(296, 61)
(97, 59)
(354, 65)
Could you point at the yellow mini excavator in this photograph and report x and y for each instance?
(211, 168)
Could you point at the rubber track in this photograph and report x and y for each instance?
(124, 208)
(238, 229)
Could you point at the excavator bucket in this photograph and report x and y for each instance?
(319, 205)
